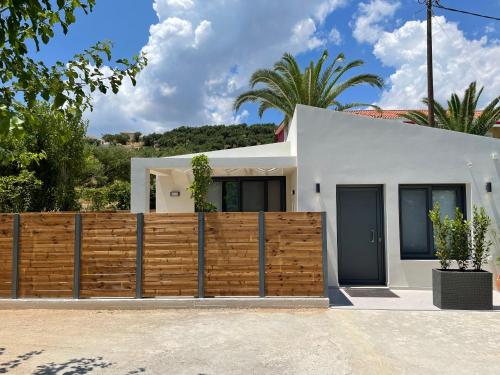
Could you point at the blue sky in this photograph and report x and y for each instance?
(202, 53)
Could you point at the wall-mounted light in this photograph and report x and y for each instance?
(488, 187)
(318, 188)
(175, 193)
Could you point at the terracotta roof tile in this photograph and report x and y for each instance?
(387, 114)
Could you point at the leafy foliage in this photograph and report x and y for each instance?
(65, 84)
(199, 187)
(480, 244)
(441, 234)
(16, 191)
(460, 115)
(461, 240)
(78, 172)
(115, 196)
(121, 138)
(60, 139)
(285, 85)
(186, 139)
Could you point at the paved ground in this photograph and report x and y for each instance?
(385, 299)
(249, 342)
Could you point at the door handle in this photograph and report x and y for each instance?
(373, 236)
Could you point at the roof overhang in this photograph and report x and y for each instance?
(264, 163)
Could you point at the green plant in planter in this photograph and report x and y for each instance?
(460, 240)
(202, 179)
(480, 244)
(441, 236)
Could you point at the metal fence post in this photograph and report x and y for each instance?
(201, 255)
(262, 254)
(325, 253)
(77, 256)
(140, 247)
(15, 256)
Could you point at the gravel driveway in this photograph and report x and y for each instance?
(249, 342)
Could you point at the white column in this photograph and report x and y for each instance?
(139, 194)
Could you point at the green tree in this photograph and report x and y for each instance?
(460, 114)
(16, 192)
(285, 85)
(120, 138)
(137, 137)
(60, 139)
(65, 84)
(115, 160)
(115, 196)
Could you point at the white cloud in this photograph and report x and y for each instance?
(457, 62)
(371, 19)
(303, 33)
(201, 55)
(490, 28)
(167, 90)
(335, 37)
(327, 7)
(202, 32)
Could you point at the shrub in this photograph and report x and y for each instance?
(441, 236)
(115, 196)
(202, 179)
(453, 239)
(118, 195)
(460, 240)
(16, 191)
(480, 244)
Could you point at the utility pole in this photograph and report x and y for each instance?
(430, 74)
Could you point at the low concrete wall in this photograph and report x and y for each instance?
(165, 303)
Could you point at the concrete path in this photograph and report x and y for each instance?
(388, 299)
(249, 342)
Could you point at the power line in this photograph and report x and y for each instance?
(438, 5)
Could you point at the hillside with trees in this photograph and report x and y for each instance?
(76, 172)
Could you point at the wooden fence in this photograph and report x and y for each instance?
(118, 254)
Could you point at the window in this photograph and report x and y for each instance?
(248, 194)
(415, 201)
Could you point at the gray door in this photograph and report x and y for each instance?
(360, 236)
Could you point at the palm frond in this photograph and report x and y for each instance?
(417, 117)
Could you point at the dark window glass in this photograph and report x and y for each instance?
(274, 195)
(414, 221)
(253, 196)
(214, 195)
(416, 232)
(231, 196)
(447, 199)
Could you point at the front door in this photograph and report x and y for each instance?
(360, 236)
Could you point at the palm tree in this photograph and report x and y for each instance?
(460, 115)
(286, 85)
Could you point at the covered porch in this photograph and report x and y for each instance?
(258, 178)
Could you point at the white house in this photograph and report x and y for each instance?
(376, 179)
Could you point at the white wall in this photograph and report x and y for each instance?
(291, 191)
(175, 181)
(338, 148)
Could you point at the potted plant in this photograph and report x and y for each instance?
(464, 242)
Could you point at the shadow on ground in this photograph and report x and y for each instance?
(337, 298)
(75, 366)
(5, 367)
